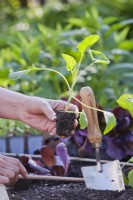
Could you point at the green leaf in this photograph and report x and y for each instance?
(19, 74)
(130, 178)
(122, 35)
(99, 57)
(119, 70)
(76, 55)
(131, 159)
(126, 182)
(126, 102)
(127, 45)
(87, 43)
(110, 121)
(70, 62)
(4, 73)
(83, 120)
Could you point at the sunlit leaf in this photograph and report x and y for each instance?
(127, 45)
(99, 57)
(110, 121)
(125, 179)
(70, 62)
(113, 28)
(87, 43)
(130, 178)
(126, 102)
(131, 159)
(83, 120)
(122, 35)
(76, 55)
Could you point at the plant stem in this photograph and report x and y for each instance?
(125, 164)
(76, 77)
(97, 109)
(74, 82)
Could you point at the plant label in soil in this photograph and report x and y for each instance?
(3, 193)
(110, 178)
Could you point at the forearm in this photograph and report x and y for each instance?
(10, 104)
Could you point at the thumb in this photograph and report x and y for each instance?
(48, 111)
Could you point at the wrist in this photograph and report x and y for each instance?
(11, 104)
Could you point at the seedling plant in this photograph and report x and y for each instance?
(73, 64)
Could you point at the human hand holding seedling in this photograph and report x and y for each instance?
(39, 113)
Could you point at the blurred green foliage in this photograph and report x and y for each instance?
(40, 34)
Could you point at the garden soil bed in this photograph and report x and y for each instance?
(57, 190)
(53, 190)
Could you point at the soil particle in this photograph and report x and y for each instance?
(53, 190)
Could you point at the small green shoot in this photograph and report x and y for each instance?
(83, 120)
(110, 121)
(130, 178)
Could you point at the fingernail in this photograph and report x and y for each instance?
(51, 134)
(26, 175)
(53, 118)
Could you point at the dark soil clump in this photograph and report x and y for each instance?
(64, 123)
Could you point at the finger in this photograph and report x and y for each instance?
(22, 170)
(9, 166)
(73, 108)
(14, 180)
(48, 111)
(72, 132)
(4, 180)
(15, 165)
(7, 172)
(11, 175)
(75, 124)
(53, 131)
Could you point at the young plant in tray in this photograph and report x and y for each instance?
(126, 102)
(53, 162)
(73, 65)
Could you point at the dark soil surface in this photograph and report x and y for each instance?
(63, 191)
(56, 190)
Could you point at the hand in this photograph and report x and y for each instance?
(40, 114)
(10, 168)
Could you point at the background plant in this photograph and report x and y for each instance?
(41, 34)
